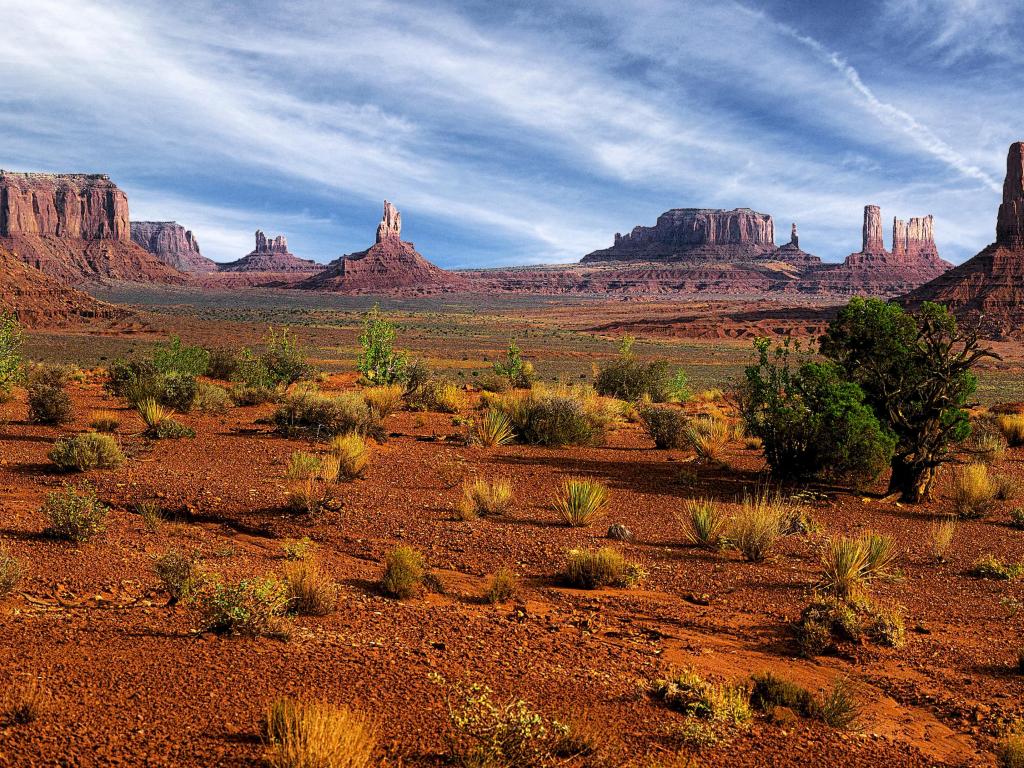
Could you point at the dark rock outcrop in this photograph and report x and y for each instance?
(74, 227)
(173, 245)
(695, 234)
(389, 265)
(271, 256)
(989, 288)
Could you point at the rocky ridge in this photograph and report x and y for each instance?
(173, 245)
(271, 255)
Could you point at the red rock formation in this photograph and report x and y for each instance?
(271, 256)
(872, 230)
(989, 288)
(173, 245)
(38, 300)
(697, 234)
(74, 227)
(390, 265)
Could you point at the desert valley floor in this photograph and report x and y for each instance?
(130, 680)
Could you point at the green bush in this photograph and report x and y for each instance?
(514, 369)
(556, 420)
(404, 573)
(48, 401)
(630, 379)
(139, 380)
(11, 341)
(828, 621)
(178, 573)
(308, 411)
(666, 425)
(12, 570)
(812, 422)
(89, 450)
(210, 398)
(250, 607)
(74, 514)
(174, 357)
(221, 363)
(378, 362)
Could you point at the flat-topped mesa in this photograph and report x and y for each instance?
(701, 234)
(872, 231)
(1010, 221)
(390, 227)
(75, 205)
(270, 256)
(173, 245)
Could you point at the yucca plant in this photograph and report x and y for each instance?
(493, 428)
(705, 523)
(847, 564)
(708, 437)
(482, 498)
(353, 455)
(580, 501)
(152, 413)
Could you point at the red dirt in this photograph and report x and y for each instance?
(132, 683)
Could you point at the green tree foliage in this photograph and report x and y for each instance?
(915, 371)
(515, 369)
(812, 421)
(378, 362)
(628, 378)
(11, 339)
(175, 357)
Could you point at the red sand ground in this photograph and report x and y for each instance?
(132, 683)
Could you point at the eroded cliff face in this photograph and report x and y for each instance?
(988, 289)
(695, 234)
(74, 227)
(390, 265)
(271, 255)
(173, 245)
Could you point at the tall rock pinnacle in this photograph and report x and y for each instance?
(794, 238)
(1010, 224)
(873, 230)
(899, 238)
(390, 227)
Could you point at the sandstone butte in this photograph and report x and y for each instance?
(74, 227)
(988, 289)
(172, 245)
(389, 265)
(271, 256)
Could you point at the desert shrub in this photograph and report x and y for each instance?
(986, 441)
(708, 437)
(104, 421)
(503, 586)
(48, 401)
(298, 549)
(311, 592)
(762, 519)
(152, 514)
(438, 395)
(378, 362)
(175, 357)
(139, 380)
(252, 372)
(604, 568)
(558, 421)
(940, 538)
(284, 358)
(666, 425)
(251, 607)
(24, 702)
(484, 498)
(178, 391)
(1010, 750)
(308, 481)
(353, 455)
(991, 567)
(12, 570)
(209, 398)
(492, 382)
(249, 394)
(848, 564)
(1017, 517)
(74, 514)
(974, 492)
(829, 620)
(1006, 488)
(516, 371)
(493, 428)
(705, 523)
(840, 708)
(221, 363)
(159, 422)
(1012, 427)
(630, 379)
(403, 573)
(811, 421)
(177, 572)
(85, 451)
(487, 734)
(318, 735)
(11, 361)
(327, 416)
(916, 374)
(580, 502)
(384, 400)
(687, 692)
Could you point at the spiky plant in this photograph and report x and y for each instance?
(580, 501)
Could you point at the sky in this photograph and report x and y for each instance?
(519, 132)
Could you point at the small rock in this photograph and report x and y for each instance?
(619, 532)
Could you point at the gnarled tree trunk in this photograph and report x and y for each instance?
(913, 479)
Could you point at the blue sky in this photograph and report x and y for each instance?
(519, 132)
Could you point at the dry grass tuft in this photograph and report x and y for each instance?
(353, 455)
(104, 421)
(384, 400)
(12, 570)
(974, 492)
(504, 586)
(762, 519)
(404, 573)
(848, 564)
(318, 735)
(604, 568)
(24, 702)
(580, 501)
(705, 523)
(940, 538)
(311, 592)
(1012, 427)
(708, 436)
(483, 498)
